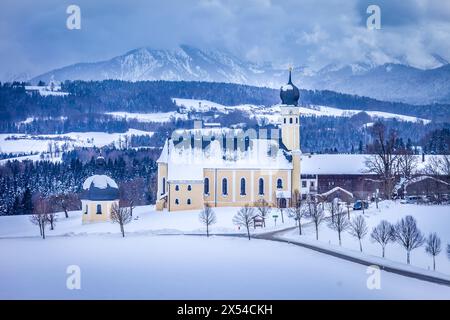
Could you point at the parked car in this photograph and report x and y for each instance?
(358, 205)
(411, 200)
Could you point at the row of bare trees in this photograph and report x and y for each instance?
(407, 234)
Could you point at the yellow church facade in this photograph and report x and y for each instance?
(225, 167)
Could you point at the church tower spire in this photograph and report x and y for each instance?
(290, 115)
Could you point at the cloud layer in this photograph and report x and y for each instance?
(34, 37)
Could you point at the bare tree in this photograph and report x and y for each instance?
(316, 214)
(383, 234)
(281, 208)
(433, 247)
(40, 215)
(132, 193)
(358, 229)
(66, 201)
(207, 217)
(52, 218)
(120, 215)
(263, 208)
(407, 163)
(408, 235)
(339, 224)
(384, 162)
(448, 251)
(333, 207)
(438, 165)
(298, 212)
(244, 218)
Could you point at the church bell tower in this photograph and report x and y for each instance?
(290, 115)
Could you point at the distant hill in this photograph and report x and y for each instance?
(156, 96)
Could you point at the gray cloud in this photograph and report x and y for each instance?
(34, 38)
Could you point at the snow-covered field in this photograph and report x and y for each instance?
(189, 267)
(39, 143)
(146, 221)
(155, 261)
(429, 219)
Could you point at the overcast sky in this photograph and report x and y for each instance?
(34, 37)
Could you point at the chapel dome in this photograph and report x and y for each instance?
(289, 93)
(101, 188)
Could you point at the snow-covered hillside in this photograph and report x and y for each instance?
(19, 143)
(271, 114)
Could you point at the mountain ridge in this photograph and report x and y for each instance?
(390, 81)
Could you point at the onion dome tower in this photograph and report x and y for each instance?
(289, 93)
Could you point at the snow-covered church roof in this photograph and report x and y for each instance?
(100, 187)
(187, 162)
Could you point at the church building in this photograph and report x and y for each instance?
(233, 167)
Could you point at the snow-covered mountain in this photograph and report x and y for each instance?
(184, 63)
(392, 82)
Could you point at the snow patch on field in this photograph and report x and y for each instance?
(149, 117)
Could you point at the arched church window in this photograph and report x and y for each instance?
(296, 120)
(290, 120)
(261, 186)
(86, 212)
(189, 187)
(224, 186)
(284, 119)
(188, 201)
(206, 186)
(279, 184)
(99, 209)
(177, 201)
(177, 188)
(242, 187)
